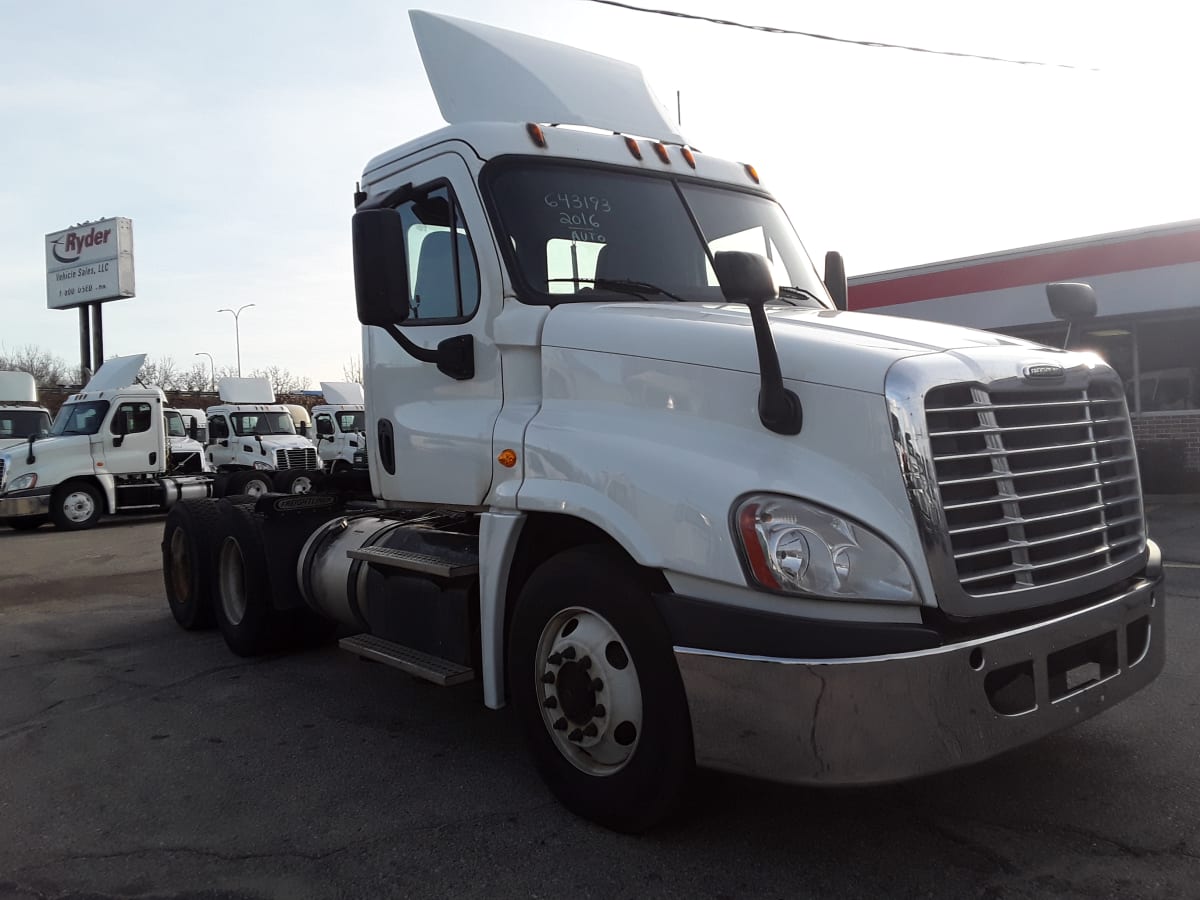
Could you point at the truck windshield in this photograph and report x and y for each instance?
(80, 418)
(175, 424)
(582, 233)
(262, 423)
(352, 421)
(21, 423)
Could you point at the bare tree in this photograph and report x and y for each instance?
(163, 372)
(195, 379)
(282, 380)
(47, 369)
(353, 370)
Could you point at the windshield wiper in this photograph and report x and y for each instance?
(637, 289)
(791, 290)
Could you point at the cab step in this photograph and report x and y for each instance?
(414, 662)
(415, 562)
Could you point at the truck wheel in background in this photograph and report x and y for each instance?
(26, 523)
(593, 679)
(294, 481)
(241, 585)
(190, 538)
(249, 481)
(75, 506)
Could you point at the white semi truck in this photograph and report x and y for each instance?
(340, 426)
(639, 472)
(20, 413)
(107, 451)
(187, 453)
(252, 439)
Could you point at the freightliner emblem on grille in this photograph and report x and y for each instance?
(1044, 370)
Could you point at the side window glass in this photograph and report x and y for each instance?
(443, 278)
(136, 418)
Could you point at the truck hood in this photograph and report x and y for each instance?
(274, 442)
(50, 454)
(845, 349)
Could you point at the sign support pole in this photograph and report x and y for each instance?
(85, 347)
(98, 334)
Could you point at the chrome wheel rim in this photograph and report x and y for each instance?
(588, 690)
(79, 506)
(302, 485)
(232, 575)
(256, 487)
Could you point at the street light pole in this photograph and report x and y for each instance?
(237, 334)
(211, 368)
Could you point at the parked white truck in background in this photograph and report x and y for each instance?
(105, 452)
(253, 439)
(20, 413)
(340, 426)
(195, 423)
(884, 549)
(187, 453)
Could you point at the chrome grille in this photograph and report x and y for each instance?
(1037, 486)
(304, 458)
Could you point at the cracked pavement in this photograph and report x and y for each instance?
(137, 760)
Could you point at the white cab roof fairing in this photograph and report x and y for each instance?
(116, 373)
(480, 73)
(245, 390)
(17, 387)
(342, 393)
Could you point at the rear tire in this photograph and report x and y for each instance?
(295, 481)
(594, 683)
(190, 537)
(242, 586)
(252, 482)
(75, 506)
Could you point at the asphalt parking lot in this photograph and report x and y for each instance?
(137, 760)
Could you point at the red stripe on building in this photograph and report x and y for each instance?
(1068, 264)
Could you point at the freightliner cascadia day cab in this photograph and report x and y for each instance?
(187, 453)
(637, 471)
(340, 426)
(195, 423)
(106, 452)
(253, 439)
(20, 413)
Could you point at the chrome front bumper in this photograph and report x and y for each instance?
(890, 718)
(25, 505)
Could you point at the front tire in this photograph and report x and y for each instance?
(241, 585)
(75, 506)
(593, 680)
(251, 482)
(295, 481)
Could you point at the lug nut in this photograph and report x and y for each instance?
(555, 659)
(598, 711)
(548, 678)
(550, 703)
(568, 653)
(560, 724)
(586, 662)
(590, 730)
(597, 684)
(576, 735)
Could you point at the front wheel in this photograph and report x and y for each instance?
(75, 506)
(251, 482)
(593, 680)
(294, 481)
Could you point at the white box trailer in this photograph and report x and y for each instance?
(637, 471)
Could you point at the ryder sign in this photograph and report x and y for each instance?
(89, 263)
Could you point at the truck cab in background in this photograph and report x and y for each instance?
(105, 452)
(186, 452)
(20, 413)
(195, 423)
(340, 426)
(252, 439)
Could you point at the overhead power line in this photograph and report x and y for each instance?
(771, 29)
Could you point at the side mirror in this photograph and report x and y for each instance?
(192, 429)
(835, 278)
(119, 431)
(380, 267)
(746, 278)
(1074, 303)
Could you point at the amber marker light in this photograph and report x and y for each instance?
(536, 133)
(507, 458)
(689, 156)
(633, 147)
(752, 172)
(661, 149)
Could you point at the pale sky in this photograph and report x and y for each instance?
(232, 134)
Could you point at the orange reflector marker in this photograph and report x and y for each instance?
(661, 149)
(689, 156)
(507, 458)
(752, 172)
(535, 132)
(633, 147)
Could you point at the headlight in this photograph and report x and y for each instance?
(23, 482)
(797, 548)
(263, 465)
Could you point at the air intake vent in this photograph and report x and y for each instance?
(1038, 486)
